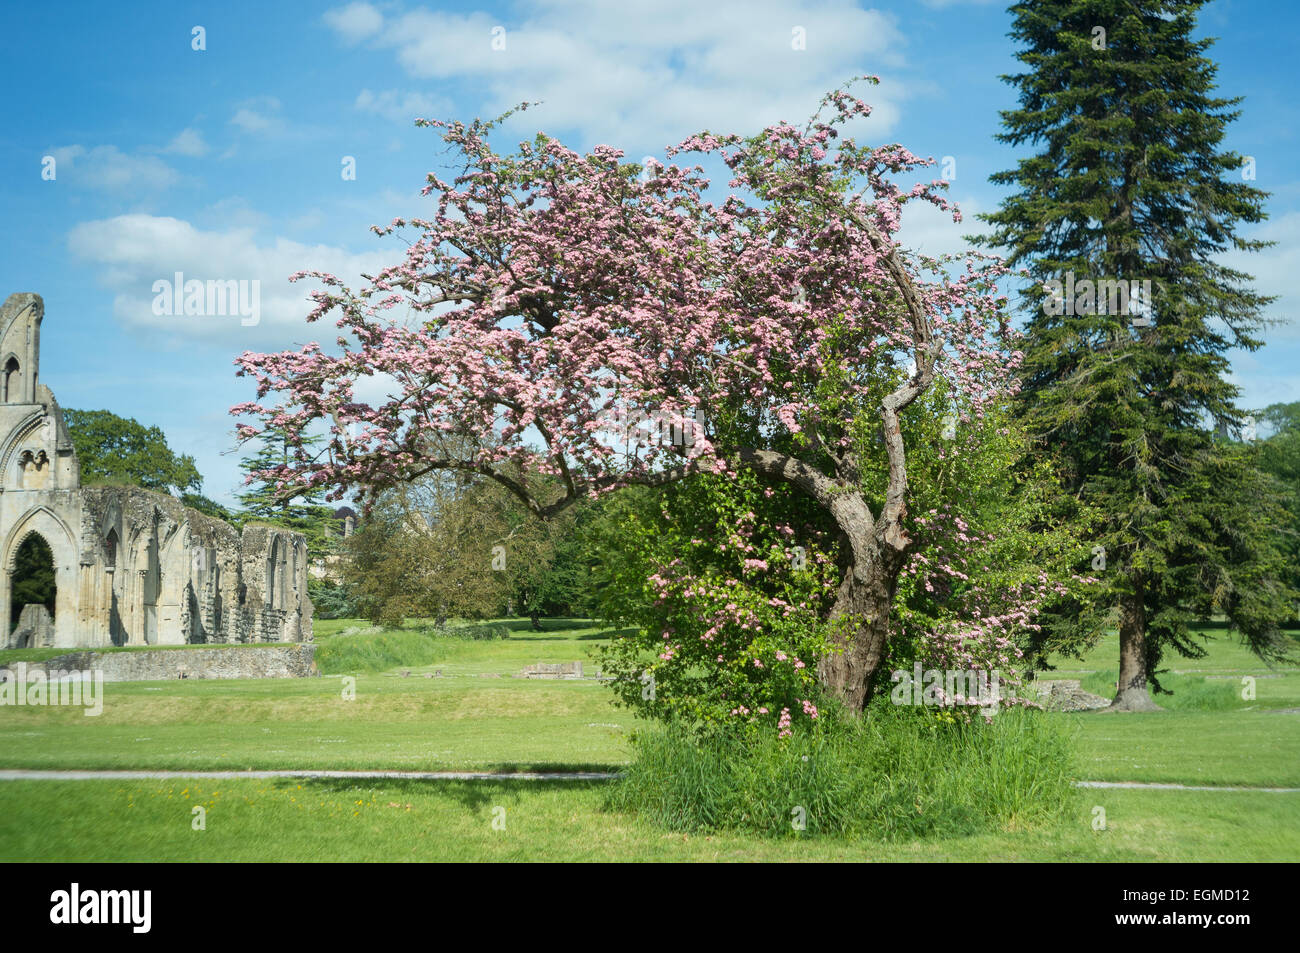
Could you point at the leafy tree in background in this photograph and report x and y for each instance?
(1129, 182)
(563, 583)
(209, 507)
(33, 578)
(427, 550)
(332, 600)
(302, 512)
(113, 449)
(1279, 456)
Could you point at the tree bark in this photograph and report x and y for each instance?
(863, 603)
(863, 606)
(1131, 693)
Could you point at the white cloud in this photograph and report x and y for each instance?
(134, 251)
(1275, 270)
(648, 74)
(258, 116)
(931, 231)
(1264, 376)
(109, 168)
(401, 107)
(355, 22)
(188, 142)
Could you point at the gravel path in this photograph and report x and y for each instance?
(1177, 787)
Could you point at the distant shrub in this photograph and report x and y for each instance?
(377, 649)
(331, 601)
(482, 630)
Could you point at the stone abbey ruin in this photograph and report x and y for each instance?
(131, 566)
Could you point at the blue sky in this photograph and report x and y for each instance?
(226, 162)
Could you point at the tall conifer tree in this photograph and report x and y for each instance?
(1122, 213)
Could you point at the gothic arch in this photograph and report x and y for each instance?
(42, 521)
(11, 374)
(20, 438)
(56, 533)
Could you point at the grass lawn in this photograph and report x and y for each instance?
(334, 820)
(1208, 733)
(475, 715)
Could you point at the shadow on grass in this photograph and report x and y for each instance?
(590, 637)
(475, 795)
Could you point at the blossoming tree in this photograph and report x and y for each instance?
(552, 287)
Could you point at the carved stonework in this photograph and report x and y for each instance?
(35, 468)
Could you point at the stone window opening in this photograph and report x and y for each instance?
(13, 382)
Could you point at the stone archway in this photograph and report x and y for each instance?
(54, 533)
(33, 591)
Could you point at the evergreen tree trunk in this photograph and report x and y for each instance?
(1131, 694)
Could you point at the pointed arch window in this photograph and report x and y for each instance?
(13, 381)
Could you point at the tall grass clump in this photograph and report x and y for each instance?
(376, 650)
(891, 775)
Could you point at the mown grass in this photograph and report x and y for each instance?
(1226, 654)
(340, 820)
(1208, 732)
(452, 723)
(1189, 692)
(474, 715)
(477, 716)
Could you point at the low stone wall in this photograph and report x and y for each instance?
(144, 665)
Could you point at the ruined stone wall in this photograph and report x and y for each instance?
(179, 576)
(132, 567)
(272, 661)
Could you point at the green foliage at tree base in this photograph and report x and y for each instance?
(891, 775)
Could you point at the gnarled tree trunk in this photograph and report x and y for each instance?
(863, 605)
(864, 600)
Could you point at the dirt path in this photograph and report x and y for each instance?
(13, 774)
(1147, 785)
